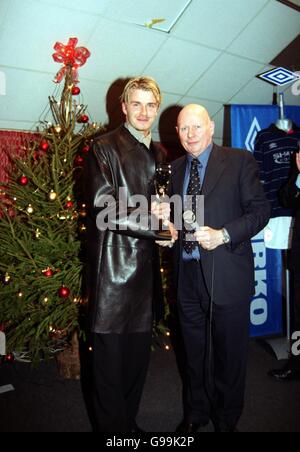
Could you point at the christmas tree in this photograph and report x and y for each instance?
(42, 223)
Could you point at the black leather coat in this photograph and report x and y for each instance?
(120, 263)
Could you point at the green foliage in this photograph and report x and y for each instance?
(41, 226)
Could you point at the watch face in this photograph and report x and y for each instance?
(226, 237)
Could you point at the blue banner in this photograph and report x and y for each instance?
(248, 120)
(266, 306)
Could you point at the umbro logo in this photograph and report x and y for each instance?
(282, 158)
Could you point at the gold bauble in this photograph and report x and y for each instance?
(29, 209)
(52, 196)
(57, 128)
(6, 279)
(61, 216)
(83, 213)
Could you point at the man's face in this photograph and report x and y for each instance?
(195, 130)
(141, 110)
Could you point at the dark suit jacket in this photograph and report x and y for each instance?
(234, 199)
(290, 198)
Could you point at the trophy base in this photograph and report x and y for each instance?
(165, 235)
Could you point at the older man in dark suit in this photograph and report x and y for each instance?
(290, 198)
(216, 270)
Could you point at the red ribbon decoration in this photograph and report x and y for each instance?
(70, 55)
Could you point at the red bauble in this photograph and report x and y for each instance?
(23, 181)
(9, 358)
(79, 160)
(44, 145)
(64, 292)
(84, 119)
(48, 273)
(86, 149)
(69, 205)
(75, 90)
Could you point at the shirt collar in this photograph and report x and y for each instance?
(203, 158)
(139, 136)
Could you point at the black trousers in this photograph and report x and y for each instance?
(216, 354)
(296, 311)
(120, 364)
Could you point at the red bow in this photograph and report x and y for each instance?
(70, 55)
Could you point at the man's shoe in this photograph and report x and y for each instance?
(287, 373)
(190, 427)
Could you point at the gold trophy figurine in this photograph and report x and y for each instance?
(161, 183)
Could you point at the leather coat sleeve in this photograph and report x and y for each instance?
(256, 207)
(102, 197)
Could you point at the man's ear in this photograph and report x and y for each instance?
(124, 108)
(177, 129)
(212, 127)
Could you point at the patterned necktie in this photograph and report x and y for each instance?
(194, 190)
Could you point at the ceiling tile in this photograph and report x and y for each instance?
(170, 101)
(144, 12)
(216, 23)
(219, 124)
(121, 50)
(94, 95)
(4, 6)
(18, 104)
(23, 45)
(211, 106)
(292, 94)
(91, 6)
(256, 92)
(273, 29)
(225, 78)
(179, 64)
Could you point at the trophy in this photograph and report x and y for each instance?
(162, 180)
(161, 183)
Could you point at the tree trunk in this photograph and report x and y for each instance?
(68, 361)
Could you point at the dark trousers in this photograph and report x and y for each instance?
(216, 354)
(120, 363)
(296, 311)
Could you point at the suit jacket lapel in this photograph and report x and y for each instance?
(214, 170)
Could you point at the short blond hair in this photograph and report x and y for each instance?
(145, 84)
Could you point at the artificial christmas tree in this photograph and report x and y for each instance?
(42, 223)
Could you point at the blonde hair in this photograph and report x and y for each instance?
(145, 84)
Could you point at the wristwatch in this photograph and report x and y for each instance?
(226, 236)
